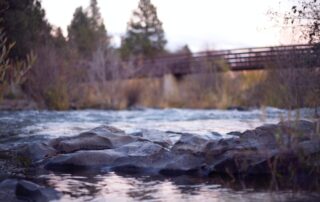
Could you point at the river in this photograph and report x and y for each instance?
(27, 126)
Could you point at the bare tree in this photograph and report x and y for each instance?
(304, 16)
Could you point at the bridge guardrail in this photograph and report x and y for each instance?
(236, 59)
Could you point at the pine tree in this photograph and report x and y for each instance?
(87, 31)
(25, 24)
(145, 35)
(97, 22)
(59, 40)
(79, 33)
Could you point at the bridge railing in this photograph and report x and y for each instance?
(235, 59)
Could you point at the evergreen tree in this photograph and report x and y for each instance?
(97, 23)
(59, 40)
(87, 31)
(145, 35)
(25, 25)
(79, 33)
(94, 12)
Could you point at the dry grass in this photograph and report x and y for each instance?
(193, 91)
(74, 83)
(219, 90)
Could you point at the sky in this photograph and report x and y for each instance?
(201, 24)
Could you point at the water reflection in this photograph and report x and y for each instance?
(28, 126)
(115, 187)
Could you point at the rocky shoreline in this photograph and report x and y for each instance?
(288, 149)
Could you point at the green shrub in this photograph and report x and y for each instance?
(57, 97)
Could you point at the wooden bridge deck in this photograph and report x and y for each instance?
(211, 61)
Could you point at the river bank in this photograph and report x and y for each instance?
(194, 153)
(284, 154)
(273, 87)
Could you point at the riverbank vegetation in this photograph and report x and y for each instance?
(81, 70)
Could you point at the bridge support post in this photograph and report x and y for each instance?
(170, 87)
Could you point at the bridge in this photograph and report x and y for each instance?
(223, 60)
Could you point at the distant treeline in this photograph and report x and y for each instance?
(37, 62)
(59, 62)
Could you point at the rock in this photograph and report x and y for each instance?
(104, 137)
(7, 190)
(165, 139)
(217, 147)
(309, 147)
(191, 143)
(234, 133)
(18, 159)
(143, 154)
(22, 190)
(283, 148)
(82, 160)
(34, 151)
(301, 127)
(266, 149)
(137, 134)
(152, 157)
(140, 154)
(29, 190)
(180, 164)
(264, 137)
(215, 134)
(242, 162)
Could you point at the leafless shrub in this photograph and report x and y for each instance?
(49, 79)
(12, 72)
(295, 81)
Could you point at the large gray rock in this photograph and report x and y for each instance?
(34, 151)
(179, 163)
(104, 137)
(267, 149)
(251, 152)
(18, 160)
(165, 139)
(191, 143)
(139, 154)
(281, 148)
(22, 190)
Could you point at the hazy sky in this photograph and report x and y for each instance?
(201, 24)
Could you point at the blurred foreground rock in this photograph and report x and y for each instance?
(22, 190)
(287, 149)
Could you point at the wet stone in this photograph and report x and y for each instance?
(251, 152)
(104, 137)
(23, 190)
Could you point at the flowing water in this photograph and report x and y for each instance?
(28, 126)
